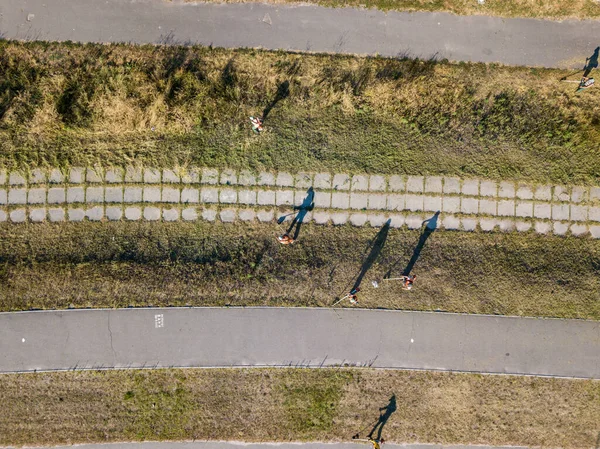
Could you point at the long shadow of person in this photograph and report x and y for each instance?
(591, 63)
(430, 226)
(384, 416)
(283, 91)
(308, 204)
(376, 248)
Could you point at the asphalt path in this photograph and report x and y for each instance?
(256, 337)
(529, 42)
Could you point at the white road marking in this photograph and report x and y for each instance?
(23, 340)
(412, 340)
(159, 320)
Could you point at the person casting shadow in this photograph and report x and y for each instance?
(307, 205)
(384, 416)
(376, 248)
(283, 91)
(591, 63)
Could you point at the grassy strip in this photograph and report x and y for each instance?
(545, 9)
(161, 264)
(63, 104)
(287, 405)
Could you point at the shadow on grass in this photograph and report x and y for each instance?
(384, 415)
(376, 248)
(307, 205)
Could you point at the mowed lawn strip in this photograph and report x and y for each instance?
(64, 104)
(296, 404)
(204, 264)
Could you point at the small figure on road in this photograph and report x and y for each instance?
(257, 124)
(408, 281)
(285, 239)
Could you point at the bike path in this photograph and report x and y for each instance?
(260, 337)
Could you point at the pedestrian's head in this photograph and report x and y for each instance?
(414, 277)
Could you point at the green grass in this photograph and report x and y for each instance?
(296, 404)
(202, 264)
(72, 105)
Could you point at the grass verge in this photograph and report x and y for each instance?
(298, 404)
(202, 264)
(63, 104)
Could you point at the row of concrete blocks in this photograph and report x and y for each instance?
(322, 181)
(230, 215)
(323, 200)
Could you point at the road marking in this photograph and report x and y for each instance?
(412, 340)
(159, 320)
(23, 340)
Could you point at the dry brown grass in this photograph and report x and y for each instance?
(288, 405)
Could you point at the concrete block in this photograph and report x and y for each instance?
(76, 214)
(451, 185)
(522, 226)
(451, 222)
(488, 188)
(37, 215)
(321, 217)
(266, 179)
(488, 207)
(322, 200)
(265, 216)
(579, 213)
(524, 192)
(284, 197)
(341, 182)
(469, 206)
(396, 202)
(133, 174)
(488, 224)
(3, 176)
(37, 176)
(543, 193)
(377, 201)
(415, 184)
(56, 176)
(396, 183)
(266, 198)
(36, 196)
(56, 195)
(77, 175)
(284, 180)
(506, 225)
(133, 213)
(339, 218)
(451, 204)
(397, 221)
(524, 209)
(414, 203)
(560, 228)
(303, 180)
(322, 181)
(18, 215)
(171, 214)
(75, 195)
(189, 214)
(94, 195)
(208, 195)
(340, 200)
(360, 183)
(507, 189)
(595, 231)
(359, 200)
(190, 195)
(247, 197)
(114, 213)
(560, 212)
(470, 187)
(170, 195)
(433, 184)
(468, 224)
(377, 220)
(95, 213)
(170, 176)
(377, 183)
(579, 194)
(561, 193)
(246, 178)
(247, 214)
(209, 214)
(94, 175)
(56, 214)
(16, 179)
(413, 221)
(113, 194)
(432, 203)
(190, 176)
(132, 195)
(152, 213)
(542, 210)
(152, 176)
(594, 213)
(228, 196)
(506, 208)
(17, 196)
(542, 227)
(228, 215)
(3, 196)
(595, 194)
(229, 177)
(579, 230)
(210, 176)
(114, 175)
(358, 219)
(151, 195)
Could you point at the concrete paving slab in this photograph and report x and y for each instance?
(340, 200)
(246, 197)
(579, 194)
(113, 194)
(114, 213)
(3, 196)
(415, 184)
(506, 208)
(413, 203)
(322, 200)
(75, 195)
(209, 195)
(209, 214)
(284, 197)
(94, 195)
(579, 230)
(595, 231)
(594, 194)
(114, 175)
(18, 215)
(397, 221)
(151, 195)
(76, 215)
(506, 189)
(396, 202)
(56, 214)
(152, 213)
(152, 175)
(133, 174)
(303, 180)
(36, 196)
(468, 224)
(3, 176)
(523, 226)
(451, 204)
(358, 219)
(228, 196)
(396, 183)
(451, 222)
(543, 227)
(488, 207)
(432, 203)
(247, 214)
(37, 176)
(524, 208)
(470, 187)
(3, 216)
(170, 195)
(433, 184)
(413, 221)
(560, 228)
(561, 193)
(95, 213)
(360, 183)
(594, 213)
(191, 175)
(171, 214)
(524, 192)
(358, 200)
(37, 215)
(189, 214)
(56, 195)
(284, 180)
(542, 210)
(133, 213)
(341, 182)
(322, 181)
(321, 218)
(377, 183)
(543, 193)
(488, 188)
(339, 218)
(266, 179)
(579, 213)
(228, 215)
(132, 195)
(377, 220)
(210, 176)
(506, 225)
(469, 206)
(451, 185)
(16, 179)
(488, 224)
(170, 176)
(560, 211)
(17, 196)
(94, 175)
(191, 195)
(229, 177)
(266, 198)
(246, 178)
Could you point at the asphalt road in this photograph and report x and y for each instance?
(305, 28)
(208, 337)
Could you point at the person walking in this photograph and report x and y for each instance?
(285, 239)
(408, 281)
(257, 124)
